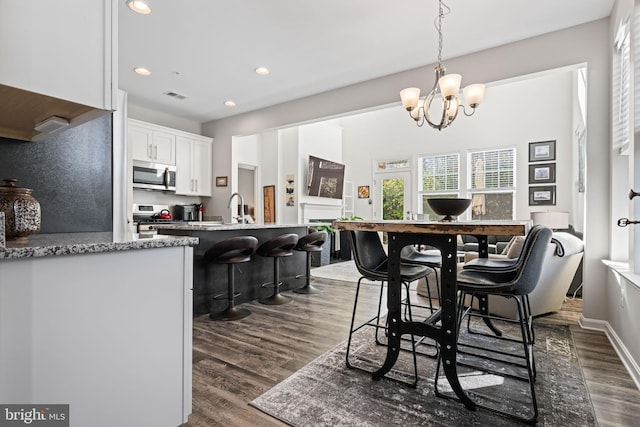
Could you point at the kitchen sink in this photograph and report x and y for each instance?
(207, 223)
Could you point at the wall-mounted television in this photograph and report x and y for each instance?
(325, 178)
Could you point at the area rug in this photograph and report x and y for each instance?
(344, 271)
(327, 393)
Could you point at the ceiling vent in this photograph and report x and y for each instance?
(175, 95)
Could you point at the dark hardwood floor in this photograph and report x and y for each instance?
(235, 362)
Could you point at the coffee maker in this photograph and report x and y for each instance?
(186, 212)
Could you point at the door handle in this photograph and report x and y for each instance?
(623, 222)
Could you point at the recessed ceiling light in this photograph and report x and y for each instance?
(139, 6)
(230, 103)
(263, 71)
(142, 71)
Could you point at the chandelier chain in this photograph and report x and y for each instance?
(438, 25)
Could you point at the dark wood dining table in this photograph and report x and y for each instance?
(441, 325)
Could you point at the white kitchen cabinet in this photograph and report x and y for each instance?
(47, 49)
(193, 166)
(150, 143)
(108, 330)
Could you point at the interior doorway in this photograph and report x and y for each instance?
(247, 186)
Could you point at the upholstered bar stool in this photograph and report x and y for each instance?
(276, 248)
(310, 243)
(231, 251)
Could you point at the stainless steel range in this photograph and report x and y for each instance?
(148, 216)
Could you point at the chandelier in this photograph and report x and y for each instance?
(447, 86)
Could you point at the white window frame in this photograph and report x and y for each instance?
(471, 191)
(455, 192)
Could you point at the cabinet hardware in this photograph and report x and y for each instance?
(633, 194)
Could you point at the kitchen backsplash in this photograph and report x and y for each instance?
(70, 175)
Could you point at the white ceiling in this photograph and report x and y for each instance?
(207, 49)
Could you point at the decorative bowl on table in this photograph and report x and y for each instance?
(450, 208)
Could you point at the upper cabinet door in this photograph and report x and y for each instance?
(202, 164)
(184, 180)
(140, 142)
(164, 147)
(148, 143)
(66, 49)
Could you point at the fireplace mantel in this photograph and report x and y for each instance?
(315, 211)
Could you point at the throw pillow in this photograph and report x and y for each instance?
(506, 248)
(516, 247)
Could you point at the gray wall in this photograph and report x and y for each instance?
(69, 173)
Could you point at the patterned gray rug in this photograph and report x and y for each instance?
(327, 393)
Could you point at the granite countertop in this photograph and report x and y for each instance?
(213, 226)
(43, 245)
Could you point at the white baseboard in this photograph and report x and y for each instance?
(617, 344)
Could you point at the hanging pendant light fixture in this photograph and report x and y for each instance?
(446, 87)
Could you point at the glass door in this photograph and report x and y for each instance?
(393, 199)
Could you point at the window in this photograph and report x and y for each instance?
(491, 186)
(439, 176)
(393, 165)
(621, 88)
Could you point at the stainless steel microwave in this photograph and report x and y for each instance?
(154, 176)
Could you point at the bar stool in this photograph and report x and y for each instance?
(276, 248)
(312, 242)
(231, 251)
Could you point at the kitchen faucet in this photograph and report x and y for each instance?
(241, 217)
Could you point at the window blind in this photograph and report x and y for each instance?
(440, 173)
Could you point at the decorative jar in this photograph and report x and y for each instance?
(21, 211)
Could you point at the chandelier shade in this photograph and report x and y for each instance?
(446, 87)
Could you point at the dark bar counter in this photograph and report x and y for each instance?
(210, 280)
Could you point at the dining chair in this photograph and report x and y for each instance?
(371, 260)
(431, 258)
(501, 269)
(514, 285)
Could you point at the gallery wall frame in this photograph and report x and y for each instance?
(222, 181)
(542, 195)
(542, 151)
(542, 173)
(363, 192)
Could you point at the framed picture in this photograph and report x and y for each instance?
(542, 195)
(363, 191)
(290, 190)
(221, 181)
(269, 202)
(542, 151)
(543, 173)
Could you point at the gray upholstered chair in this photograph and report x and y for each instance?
(372, 263)
(515, 285)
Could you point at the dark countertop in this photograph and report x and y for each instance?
(214, 226)
(44, 245)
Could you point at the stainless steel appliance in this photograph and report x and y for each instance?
(154, 176)
(147, 217)
(186, 212)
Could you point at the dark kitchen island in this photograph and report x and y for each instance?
(210, 280)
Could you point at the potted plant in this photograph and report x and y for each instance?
(324, 257)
